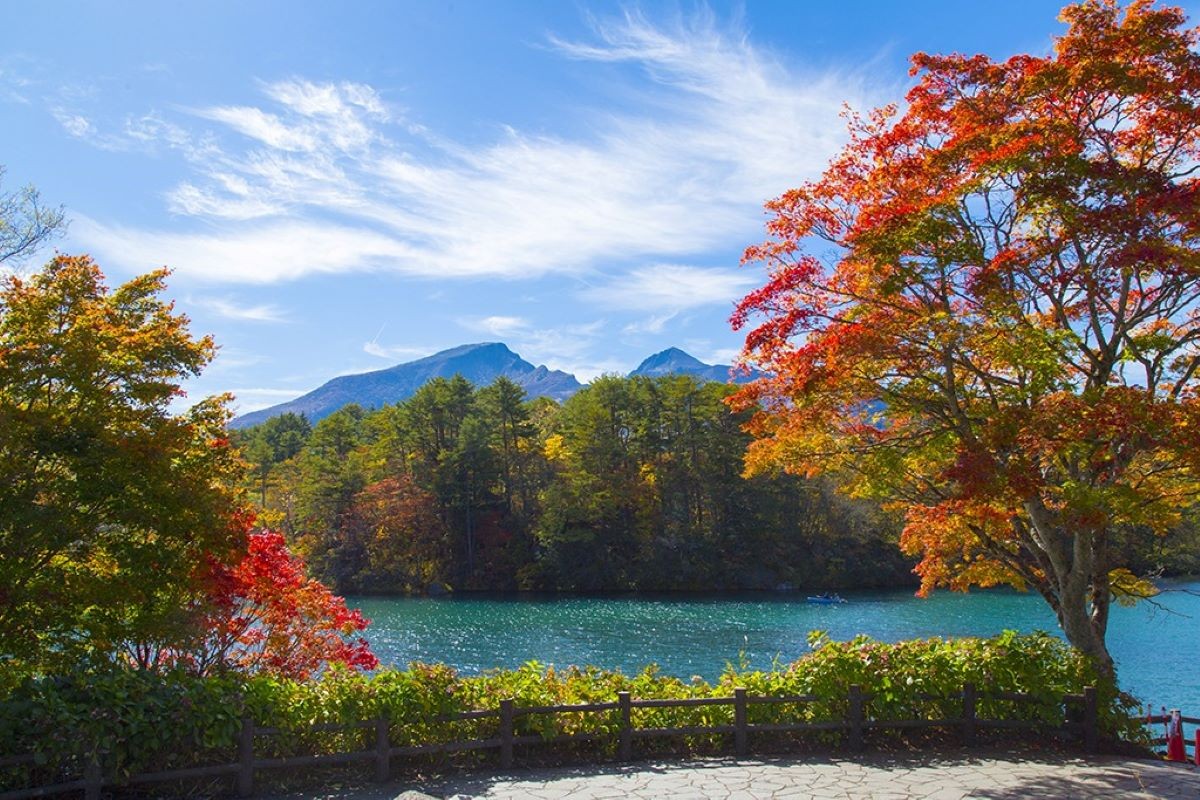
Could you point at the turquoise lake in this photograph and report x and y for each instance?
(1157, 653)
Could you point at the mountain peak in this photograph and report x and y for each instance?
(669, 361)
(674, 361)
(462, 349)
(480, 363)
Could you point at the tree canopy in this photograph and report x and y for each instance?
(108, 499)
(632, 483)
(985, 310)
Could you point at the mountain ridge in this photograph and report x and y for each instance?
(481, 363)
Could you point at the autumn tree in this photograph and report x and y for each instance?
(986, 310)
(632, 483)
(407, 548)
(108, 496)
(263, 613)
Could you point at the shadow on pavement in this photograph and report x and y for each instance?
(1012, 774)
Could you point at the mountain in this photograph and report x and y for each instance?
(674, 361)
(479, 363)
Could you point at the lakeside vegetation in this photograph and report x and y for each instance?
(118, 715)
(631, 484)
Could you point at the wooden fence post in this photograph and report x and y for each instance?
(93, 777)
(1091, 728)
(245, 780)
(968, 714)
(506, 734)
(383, 750)
(625, 751)
(856, 717)
(739, 721)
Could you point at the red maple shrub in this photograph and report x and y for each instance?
(262, 613)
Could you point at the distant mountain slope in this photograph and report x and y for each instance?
(674, 361)
(479, 363)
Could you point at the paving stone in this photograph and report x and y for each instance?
(939, 776)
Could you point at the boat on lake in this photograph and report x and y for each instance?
(826, 599)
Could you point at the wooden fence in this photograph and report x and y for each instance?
(1082, 724)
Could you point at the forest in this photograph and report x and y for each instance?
(633, 484)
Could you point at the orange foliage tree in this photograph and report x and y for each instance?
(406, 543)
(985, 310)
(123, 535)
(108, 497)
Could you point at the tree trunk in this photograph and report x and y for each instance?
(1077, 587)
(1083, 630)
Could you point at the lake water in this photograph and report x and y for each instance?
(1157, 653)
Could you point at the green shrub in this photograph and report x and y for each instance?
(140, 721)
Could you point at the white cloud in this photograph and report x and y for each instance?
(570, 348)
(265, 254)
(722, 355)
(268, 392)
(75, 124)
(11, 86)
(653, 324)
(230, 309)
(191, 200)
(258, 124)
(497, 325)
(252, 399)
(397, 352)
(670, 288)
(334, 180)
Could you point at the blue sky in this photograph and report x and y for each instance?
(342, 187)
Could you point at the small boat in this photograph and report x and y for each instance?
(826, 599)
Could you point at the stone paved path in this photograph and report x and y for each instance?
(1001, 776)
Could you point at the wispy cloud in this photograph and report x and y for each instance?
(653, 324)
(271, 252)
(231, 309)
(497, 325)
(328, 177)
(721, 355)
(266, 128)
(232, 360)
(571, 348)
(252, 399)
(75, 124)
(13, 86)
(269, 392)
(396, 352)
(670, 287)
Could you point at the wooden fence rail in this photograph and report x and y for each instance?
(853, 727)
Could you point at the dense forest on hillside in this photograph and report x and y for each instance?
(631, 484)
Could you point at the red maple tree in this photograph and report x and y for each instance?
(263, 614)
(986, 311)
